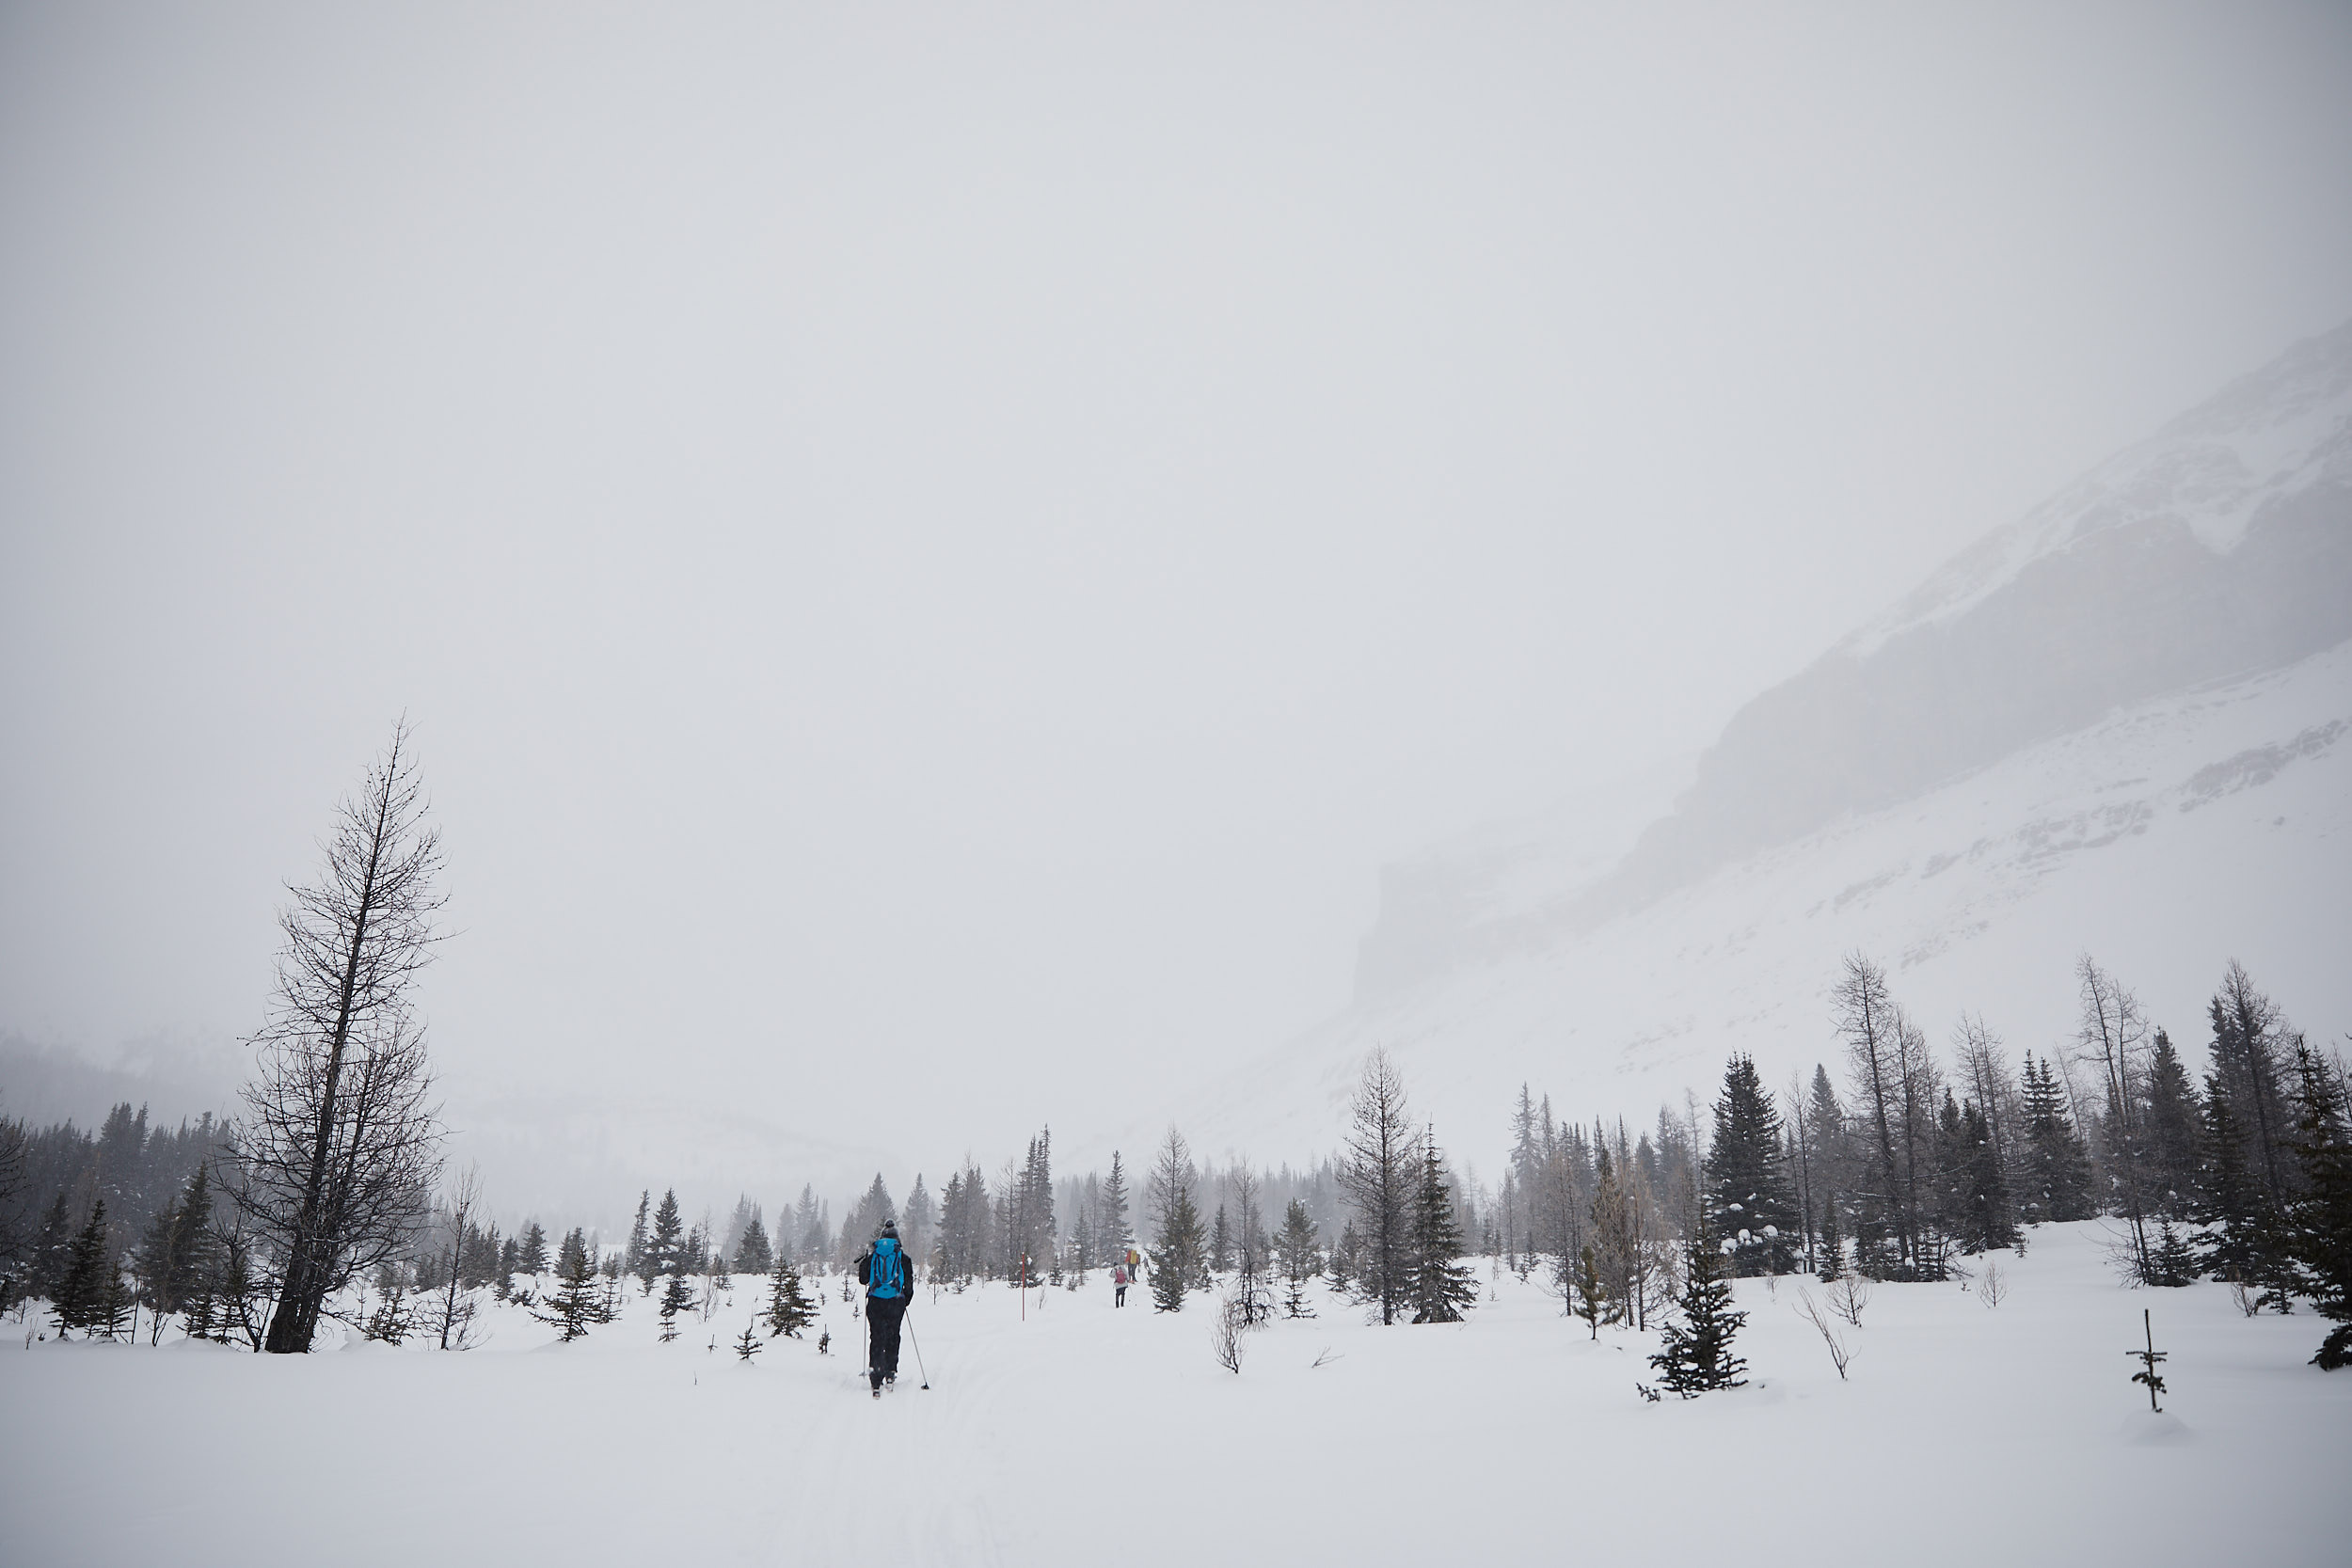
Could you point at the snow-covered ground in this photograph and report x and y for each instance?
(1082, 1434)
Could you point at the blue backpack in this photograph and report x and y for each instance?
(886, 1275)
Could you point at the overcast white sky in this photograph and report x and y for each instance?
(936, 550)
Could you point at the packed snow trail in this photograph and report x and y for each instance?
(1965, 1433)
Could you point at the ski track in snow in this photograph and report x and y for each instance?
(1086, 1436)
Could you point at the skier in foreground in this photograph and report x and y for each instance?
(882, 1270)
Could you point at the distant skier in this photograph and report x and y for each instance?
(1119, 1284)
(882, 1270)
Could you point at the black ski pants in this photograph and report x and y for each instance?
(883, 1314)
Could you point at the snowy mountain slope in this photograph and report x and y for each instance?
(2219, 546)
(1487, 892)
(2166, 839)
(2116, 725)
(2264, 439)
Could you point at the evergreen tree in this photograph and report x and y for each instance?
(815, 1220)
(1111, 1212)
(1523, 1177)
(1180, 1252)
(237, 1293)
(1982, 1216)
(1442, 1288)
(1590, 1296)
(919, 1223)
(2054, 1183)
(2249, 1071)
(1617, 1247)
(950, 1258)
(153, 1262)
(1029, 1210)
(1694, 1354)
(2171, 1262)
(1345, 1264)
(114, 1300)
(532, 1257)
(2174, 1164)
(81, 1296)
(1296, 1247)
(480, 1253)
(667, 1250)
(749, 1345)
(677, 1297)
(2249, 1241)
(866, 1221)
(1747, 1175)
(580, 1302)
(1220, 1242)
(637, 1260)
(2234, 1248)
(752, 1255)
(1299, 1255)
(2319, 1218)
(199, 1318)
(195, 1250)
(53, 1252)
(1833, 1251)
(177, 1256)
(788, 1311)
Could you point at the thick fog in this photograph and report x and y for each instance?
(933, 553)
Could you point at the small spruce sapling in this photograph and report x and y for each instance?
(750, 1343)
(2148, 1358)
(788, 1311)
(677, 1297)
(580, 1299)
(1695, 1354)
(1592, 1297)
(2171, 1261)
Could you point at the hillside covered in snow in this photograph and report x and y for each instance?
(2116, 725)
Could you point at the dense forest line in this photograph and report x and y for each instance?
(1897, 1166)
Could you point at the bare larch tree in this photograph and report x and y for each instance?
(340, 1148)
(2113, 1039)
(1378, 1176)
(1893, 1081)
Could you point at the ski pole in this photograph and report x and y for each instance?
(919, 1348)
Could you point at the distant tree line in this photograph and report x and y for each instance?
(1894, 1166)
(2238, 1173)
